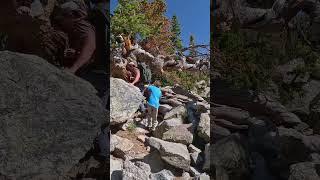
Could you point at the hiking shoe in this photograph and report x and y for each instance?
(152, 128)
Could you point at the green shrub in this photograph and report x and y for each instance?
(131, 127)
(184, 78)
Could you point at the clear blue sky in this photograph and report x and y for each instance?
(193, 15)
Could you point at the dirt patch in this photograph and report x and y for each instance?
(139, 150)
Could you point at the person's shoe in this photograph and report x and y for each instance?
(152, 129)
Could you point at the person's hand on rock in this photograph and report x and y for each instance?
(69, 53)
(24, 10)
(71, 70)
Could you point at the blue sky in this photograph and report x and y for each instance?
(193, 15)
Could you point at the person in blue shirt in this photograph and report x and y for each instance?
(153, 103)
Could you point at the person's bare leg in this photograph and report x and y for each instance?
(149, 116)
(154, 118)
(86, 52)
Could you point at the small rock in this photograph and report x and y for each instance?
(203, 176)
(193, 149)
(163, 175)
(176, 112)
(141, 130)
(314, 157)
(204, 127)
(235, 115)
(219, 132)
(164, 108)
(113, 142)
(124, 146)
(141, 138)
(304, 171)
(186, 176)
(136, 171)
(116, 166)
(207, 153)
(155, 161)
(196, 159)
(194, 171)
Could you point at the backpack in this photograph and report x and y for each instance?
(145, 72)
(147, 93)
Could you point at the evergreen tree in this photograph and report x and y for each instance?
(192, 52)
(160, 40)
(128, 19)
(176, 33)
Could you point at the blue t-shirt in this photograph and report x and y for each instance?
(155, 94)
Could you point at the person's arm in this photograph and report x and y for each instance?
(86, 52)
(137, 72)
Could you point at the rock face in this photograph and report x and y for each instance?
(48, 117)
(124, 100)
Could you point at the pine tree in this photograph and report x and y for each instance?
(128, 19)
(176, 33)
(160, 40)
(192, 52)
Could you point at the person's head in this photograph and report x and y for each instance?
(157, 83)
(131, 65)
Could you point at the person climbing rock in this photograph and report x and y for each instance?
(153, 104)
(133, 73)
(146, 74)
(145, 80)
(38, 36)
(98, 71)
(71, 18)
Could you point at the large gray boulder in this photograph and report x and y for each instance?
(303, 146)
(48, 117)
(165, 125)
(177, 112)
(287, 73)
(231, 155)
(301, 101)
(179, 134)
(124, 100)
(175, 154)
(304, 171)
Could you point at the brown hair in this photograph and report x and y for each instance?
(157, 83)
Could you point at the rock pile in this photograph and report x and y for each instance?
(256, 137)
(178, 148)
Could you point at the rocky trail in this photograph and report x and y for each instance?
(175, 150)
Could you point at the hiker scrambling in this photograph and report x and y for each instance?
(154, 95)
(133, 73)
(71, 18)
